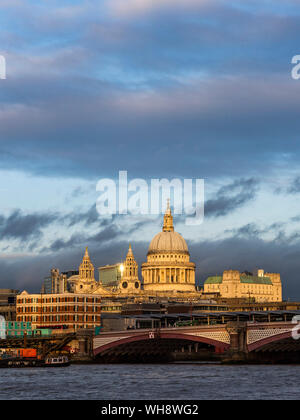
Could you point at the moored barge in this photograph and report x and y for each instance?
(59, 361)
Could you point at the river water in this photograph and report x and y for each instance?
(150, 382)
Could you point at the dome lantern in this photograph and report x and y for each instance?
(168, 219)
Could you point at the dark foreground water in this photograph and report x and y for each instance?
(173, 381)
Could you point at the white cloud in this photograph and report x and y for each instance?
(135, 7)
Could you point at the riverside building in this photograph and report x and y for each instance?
(64, 310)
(263, 287)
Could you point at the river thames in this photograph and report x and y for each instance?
(168, 381)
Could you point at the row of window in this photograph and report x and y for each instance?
(60, 318)
(59, 300)
(34, 309)
(243, 289)
(179, 257)
(111, 308)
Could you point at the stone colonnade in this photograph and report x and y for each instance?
(168, 275)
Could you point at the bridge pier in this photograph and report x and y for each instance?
(85, 339)
(237, 352)
(237, 334)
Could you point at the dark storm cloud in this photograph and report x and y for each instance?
(111, 231)
(295, 219)
(252, 230)
(88, 218)
(80, 240)
(198, 130)
(208, 84)
(75, 241)
(30, 229)
(231, 197)
(211, 39)
(107, 234)
(24, 226)
(295, 186)
(91, 217)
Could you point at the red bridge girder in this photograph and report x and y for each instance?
(275, 338)
(219, 346)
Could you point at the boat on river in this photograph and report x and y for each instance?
(57, 361)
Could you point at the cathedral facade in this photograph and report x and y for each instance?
(168, 267)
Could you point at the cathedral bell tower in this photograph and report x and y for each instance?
(130, 281)
(84, 282)
(86, 269)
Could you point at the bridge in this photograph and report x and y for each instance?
(265, 342)
(232, 341)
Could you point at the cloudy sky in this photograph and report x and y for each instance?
(161, 89)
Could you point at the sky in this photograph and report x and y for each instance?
(169, 89)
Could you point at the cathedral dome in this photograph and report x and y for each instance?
(168, 268)
(168, 242)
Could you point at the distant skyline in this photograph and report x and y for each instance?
(161, 89)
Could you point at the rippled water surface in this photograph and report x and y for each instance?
(169, 381)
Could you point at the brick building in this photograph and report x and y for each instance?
(65, 310)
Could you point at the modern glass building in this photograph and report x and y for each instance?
(110, 275)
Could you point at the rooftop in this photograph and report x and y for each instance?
(214, 280)
(243, 279)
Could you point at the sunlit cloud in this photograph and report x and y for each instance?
(136, 7)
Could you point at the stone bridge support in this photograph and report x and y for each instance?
(85, 340)
(238, 341)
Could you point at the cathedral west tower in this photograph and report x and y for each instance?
(130, 280)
